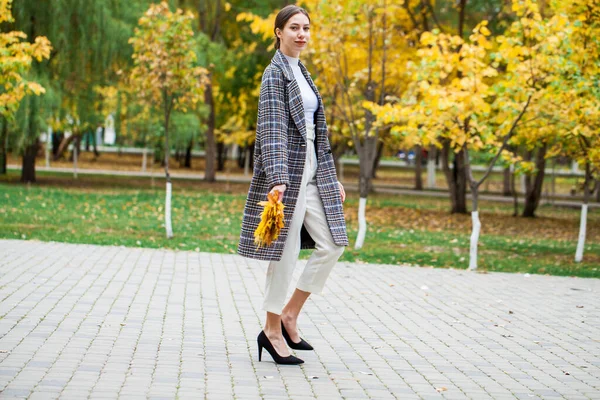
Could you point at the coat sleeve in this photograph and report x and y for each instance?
(272, 128)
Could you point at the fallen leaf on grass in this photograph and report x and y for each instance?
(441, 389)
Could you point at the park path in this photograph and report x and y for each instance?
(86, 321)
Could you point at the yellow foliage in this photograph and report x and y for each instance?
(16, 57)
(272, 220)
(166, 70)
(258, 25)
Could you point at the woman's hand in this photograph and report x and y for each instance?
(280, 189)
(342, 191)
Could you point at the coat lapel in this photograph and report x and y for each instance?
(294, 95)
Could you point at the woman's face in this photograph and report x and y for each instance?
(295, 35)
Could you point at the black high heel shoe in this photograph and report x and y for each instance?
(263, 341)
(302, 345)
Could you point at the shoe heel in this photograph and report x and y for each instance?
(264, 342)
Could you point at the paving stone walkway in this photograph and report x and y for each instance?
(83, 321)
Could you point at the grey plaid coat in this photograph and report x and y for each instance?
(279, 155)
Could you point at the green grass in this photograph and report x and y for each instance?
(131, 214)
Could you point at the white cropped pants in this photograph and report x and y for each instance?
(309, 212)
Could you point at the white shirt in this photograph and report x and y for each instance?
(309, 98)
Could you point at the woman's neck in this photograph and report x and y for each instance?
(289, 53)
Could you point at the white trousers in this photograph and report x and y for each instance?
(309, 212)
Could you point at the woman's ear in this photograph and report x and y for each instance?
(278, 33)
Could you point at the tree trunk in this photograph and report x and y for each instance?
(251, 155)
(94, 143)
(62, 147)
(31, 144)
(145, 158)
(461, 17)
(3, 145)
(57, 138)
(461, 182)
(168, 226)
(211, 146)
(418, 168)
(241, 157)
(28, 168)
(476, 228)
(377, 160)
(445, 154)
(506, 187)
(431, 156)
(188, 154)
(221, 156)
(76, 146)
(584, 209)
(515, 194)
(456, 179)
(598, 190)
(476, 223)
(87, 140)
(366, 154)
(534, 189)
(367, 150)
(246, 161)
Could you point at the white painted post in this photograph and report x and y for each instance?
(574, 166)
(362, 223)
(145, 160)
(247, 162)
(431, 169)
(474, 240)
(48, 146)
(553, 180)
(168, 225)
(582, 228)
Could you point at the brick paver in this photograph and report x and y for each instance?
(83, 321)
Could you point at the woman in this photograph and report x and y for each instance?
(293, 157)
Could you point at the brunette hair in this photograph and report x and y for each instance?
(284, 16)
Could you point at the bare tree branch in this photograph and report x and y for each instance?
(505, 142)
(433, 16)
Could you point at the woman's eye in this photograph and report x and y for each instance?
(307, 29)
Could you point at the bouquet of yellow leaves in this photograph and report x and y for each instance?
(271, 220)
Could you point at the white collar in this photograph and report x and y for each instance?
(293, 61)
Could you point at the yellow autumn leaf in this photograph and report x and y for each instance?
(271, 220)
